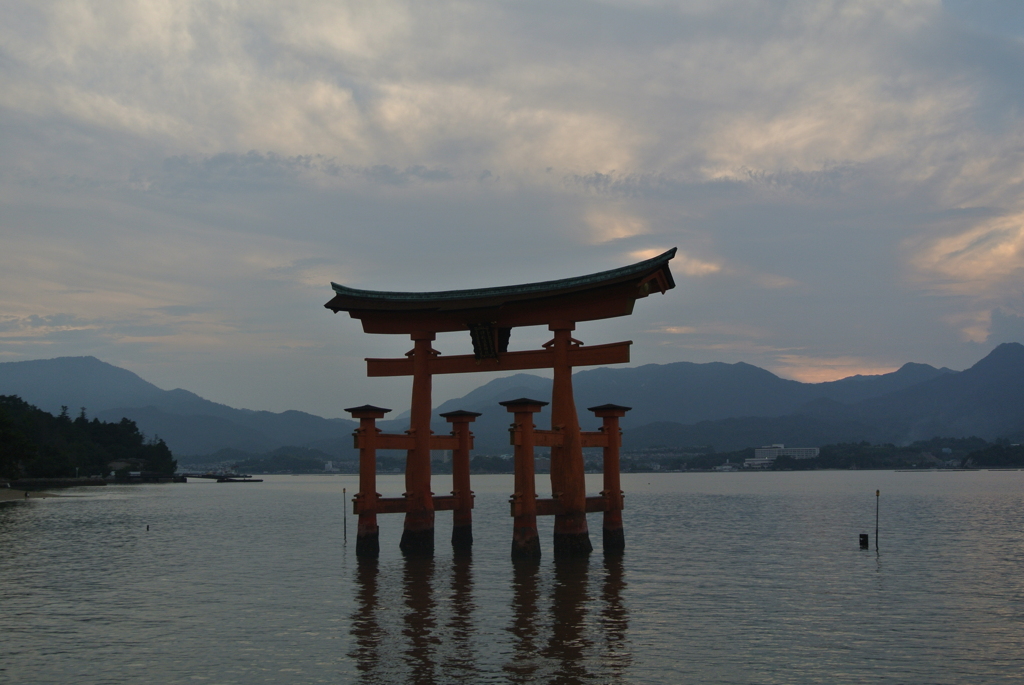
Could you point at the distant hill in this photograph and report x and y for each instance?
(727, 435)
(729, 406)
(284, 460)
(188, 423)
(986, 400)
(76, 382)
(683, 394)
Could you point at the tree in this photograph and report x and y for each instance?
(37, 444)
(15, 448)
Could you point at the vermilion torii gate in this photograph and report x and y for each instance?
(489, 314)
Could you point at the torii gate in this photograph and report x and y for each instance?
(489, 314)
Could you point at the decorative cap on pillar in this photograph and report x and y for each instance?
(460, 415)
(609, 410)
(367, 411)
(523, 404)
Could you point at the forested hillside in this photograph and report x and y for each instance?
(37, 444)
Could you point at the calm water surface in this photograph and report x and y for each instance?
(727, 578)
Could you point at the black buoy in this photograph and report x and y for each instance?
(147, 526)
(863, 540)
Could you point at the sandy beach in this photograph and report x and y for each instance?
(11, 494)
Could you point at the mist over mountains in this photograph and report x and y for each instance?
(728, 406)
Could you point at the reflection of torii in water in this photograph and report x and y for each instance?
(489, 314)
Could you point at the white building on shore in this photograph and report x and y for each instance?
(765, 456)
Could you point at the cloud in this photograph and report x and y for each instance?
(972, 325)
(607, 226)
(986, 259)
(182, 309)
(715, 337)
(809, 369)
(1005, 327)
(311, 272)
(15, 328)
(716, 329)
(682, 262)
(774, 281)
(695, 267)
(63, 330)
(676, 330)
(258, 171)
(182, 176)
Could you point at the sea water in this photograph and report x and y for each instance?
(726, 578)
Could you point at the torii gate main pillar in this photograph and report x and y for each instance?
(567, 471)
(418, 536)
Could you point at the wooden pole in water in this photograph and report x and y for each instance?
(344, 513)
(878, 494)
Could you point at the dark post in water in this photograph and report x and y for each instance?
(878, 494)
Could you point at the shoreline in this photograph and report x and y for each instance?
(17, 494)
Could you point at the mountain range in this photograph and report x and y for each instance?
(188, 423)
(679, 405)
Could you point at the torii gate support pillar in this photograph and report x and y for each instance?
(525, 540)
(462, 515)
(614, 539)
(367, 532)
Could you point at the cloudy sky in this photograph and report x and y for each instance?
(180, 181)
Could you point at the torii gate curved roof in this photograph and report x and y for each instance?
(601, 295)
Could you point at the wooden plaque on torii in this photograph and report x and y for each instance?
(490, 314)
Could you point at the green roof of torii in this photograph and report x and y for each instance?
(350, 299)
